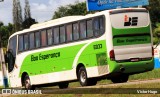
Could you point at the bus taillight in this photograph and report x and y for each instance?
(112, 55)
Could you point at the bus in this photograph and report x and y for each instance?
(110, 44)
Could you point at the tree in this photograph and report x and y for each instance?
(27, 13)
(154, 9)
(75, 9)
(28, 20)
(17, 15)
(5, 33)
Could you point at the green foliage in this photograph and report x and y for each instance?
(154, 9)
(156, 33)
(75, 9)
(5, 32)
(28, 22)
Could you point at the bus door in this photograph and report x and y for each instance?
(10, 59)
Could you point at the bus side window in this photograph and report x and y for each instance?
(62, 34)
(31, 41)
(83, 29)
(20, 43)
(69, 32)
(50, 36)
(96, 26)
(43, 38)
(56, 35)
(75, 31)
(89, 29)
(26, 44)
(101, 23)
(37, 39)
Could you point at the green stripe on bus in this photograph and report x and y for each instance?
(61, 59)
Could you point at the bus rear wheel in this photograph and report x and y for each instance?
(120, 79)
(84, 81)
(63, 85)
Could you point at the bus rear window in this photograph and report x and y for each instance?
(129, 19)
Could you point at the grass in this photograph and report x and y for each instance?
(154, 74)
(147, 75)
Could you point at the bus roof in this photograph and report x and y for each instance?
(68, 19)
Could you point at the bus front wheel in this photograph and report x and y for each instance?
(27, 83)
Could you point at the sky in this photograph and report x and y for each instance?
(41, 10)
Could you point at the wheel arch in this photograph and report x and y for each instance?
(22, 77)
(78, 67)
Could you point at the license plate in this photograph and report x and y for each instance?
(134, 60)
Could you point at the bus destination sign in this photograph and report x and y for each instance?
(112, 4)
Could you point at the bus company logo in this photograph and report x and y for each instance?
(6, 91)
(130, 21)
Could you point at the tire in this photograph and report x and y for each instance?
(83, 79)
(63, 85)
(27, 83)
(120, 79)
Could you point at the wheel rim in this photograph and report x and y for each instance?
(83, 76)
(27, 84)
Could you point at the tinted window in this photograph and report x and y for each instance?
(31, 41)
(83, 29)
(56, 35)
(89, 29)
(13, 45)
(12, 48)
(50, 36)
(101, 22)
(75, 31)
(20, 43)
(26, 44)
(37, 38)
(62, 34)
(98, 26)
(69, 32)
(43, 38)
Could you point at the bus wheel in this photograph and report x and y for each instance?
(27, 83)
(63, 85)
(82, 77)
(120, 79)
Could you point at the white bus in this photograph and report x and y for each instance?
(110, 44)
